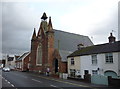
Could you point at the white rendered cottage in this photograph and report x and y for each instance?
(103, 59)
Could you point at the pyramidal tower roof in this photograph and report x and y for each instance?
(44, 16)
(34, 34)
(50, 27)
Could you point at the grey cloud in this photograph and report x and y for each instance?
(17, 29)
(102, 31)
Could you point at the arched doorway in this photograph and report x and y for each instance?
(56, 65)
(110, 73)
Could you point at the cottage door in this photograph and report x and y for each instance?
(56, 65)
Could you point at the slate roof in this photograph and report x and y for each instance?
(64, 55)
(22, 56)
(97, 49)
(69, 41)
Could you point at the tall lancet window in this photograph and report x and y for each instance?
(39, 55)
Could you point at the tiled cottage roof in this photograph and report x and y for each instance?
(22, 56)
(97, 49)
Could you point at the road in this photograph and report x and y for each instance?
(16, 79)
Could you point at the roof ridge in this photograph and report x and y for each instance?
(70, 33)
(100, 48)
(101, 44)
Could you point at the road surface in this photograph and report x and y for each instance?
(16, 79)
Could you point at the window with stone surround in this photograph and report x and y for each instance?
(39, 55)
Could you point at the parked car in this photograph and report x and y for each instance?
(6, 69)
(12, 68)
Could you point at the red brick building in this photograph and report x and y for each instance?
(22, 62)
(50, 47)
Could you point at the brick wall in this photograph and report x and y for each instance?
(25, 62)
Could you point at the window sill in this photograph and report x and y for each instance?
(109, 63)
(38, 64)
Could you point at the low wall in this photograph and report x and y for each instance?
(113, 81)
(99, 79)
(87, 78)
(78, 79)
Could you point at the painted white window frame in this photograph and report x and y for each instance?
(109, 58)
(94, 59)
(94, 72)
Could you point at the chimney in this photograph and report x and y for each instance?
(80, 46)
(111, 38)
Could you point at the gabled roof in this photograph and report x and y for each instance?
(22, 56)
(97, 49)
(16, 57)
(69, 41)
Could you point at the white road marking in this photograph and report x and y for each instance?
(5, 80)
(12, 85)
(53, 86)
(8, 82)
(36, 80)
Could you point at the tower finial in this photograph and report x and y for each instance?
(39, 32)
(34, 34)
(44, 16)
(50, 24)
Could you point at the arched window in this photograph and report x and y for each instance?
(39, 55)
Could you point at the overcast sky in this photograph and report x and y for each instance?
(93, 18)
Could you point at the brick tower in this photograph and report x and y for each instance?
(50, 44)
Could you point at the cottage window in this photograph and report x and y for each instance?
(94, 72)
(94, 59)
(72, 61)
(109, 57)
(39, 55)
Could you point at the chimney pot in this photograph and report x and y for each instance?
(111, 38)
(80, 46)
